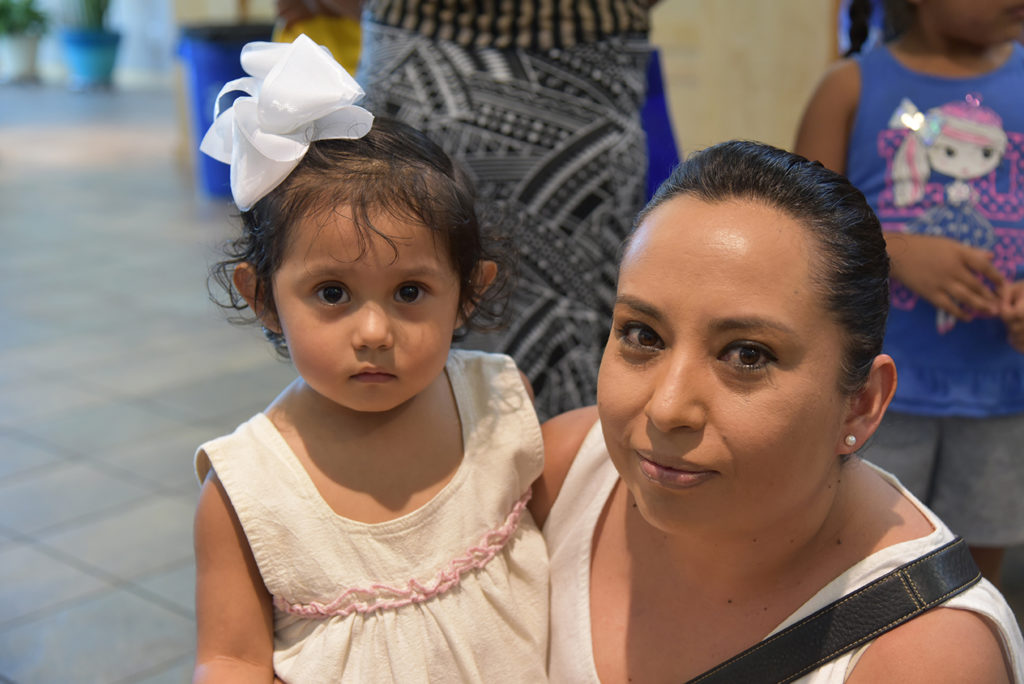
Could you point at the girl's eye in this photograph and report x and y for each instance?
(409, 294)
(950, 152)
(987, 152)
(748, 356)
(640, 336)
(332, 294)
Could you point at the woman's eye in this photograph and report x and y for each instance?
(332, 294)
(641, 336)
(409, 294)
(748, 356)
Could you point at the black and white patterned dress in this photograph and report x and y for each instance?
(543, 110)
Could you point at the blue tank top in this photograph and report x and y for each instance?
(945, 156)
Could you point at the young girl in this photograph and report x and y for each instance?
(930, 126)
(370, 524)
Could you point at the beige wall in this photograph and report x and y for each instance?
(733, 68)
(741, 68)
(213, 11)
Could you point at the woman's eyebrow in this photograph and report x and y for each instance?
(639, 305)
(749, 323)
(731, 323)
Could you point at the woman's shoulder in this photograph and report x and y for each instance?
(563, 435)
(941, 645)
(946, 644)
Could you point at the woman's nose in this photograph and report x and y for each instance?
(677, 397)
(372, 328)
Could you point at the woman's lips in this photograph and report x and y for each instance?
(673, 478)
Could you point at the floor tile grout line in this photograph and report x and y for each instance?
(70, 458)
(113, 583)
(111, 511)
(186, 659)
(129, 475)
(53, 609)
(35, 440)
(97, 572)
(153, 597)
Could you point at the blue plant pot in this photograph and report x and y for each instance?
(89, 55)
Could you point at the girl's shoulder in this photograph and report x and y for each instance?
(563, 436)
(827, 120)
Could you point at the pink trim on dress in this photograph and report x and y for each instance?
(383, 597)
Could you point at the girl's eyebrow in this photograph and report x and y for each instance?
(322, 269)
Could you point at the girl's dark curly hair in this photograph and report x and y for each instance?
(898, 16)
(393, 170)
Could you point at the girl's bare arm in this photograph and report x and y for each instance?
(827, 122)
(563, 436)
(234, 614)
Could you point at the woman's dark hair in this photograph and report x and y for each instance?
(393, 170)
(853, 271)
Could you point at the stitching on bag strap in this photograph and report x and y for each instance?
(909, 586)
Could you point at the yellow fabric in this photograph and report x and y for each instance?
(341, 35)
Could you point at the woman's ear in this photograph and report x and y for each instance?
(867, 406)
(483, 275)
(247, 283)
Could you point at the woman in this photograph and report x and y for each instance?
(717, 497)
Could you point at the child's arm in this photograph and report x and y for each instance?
(234, 615)
(1012, 313)
(947, 273)
(943, 271)
(825, 127)
(563, 436)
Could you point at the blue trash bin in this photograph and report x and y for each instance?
(210, 56)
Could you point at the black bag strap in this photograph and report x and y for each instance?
(852, 620)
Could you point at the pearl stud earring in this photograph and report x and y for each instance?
(850, 440)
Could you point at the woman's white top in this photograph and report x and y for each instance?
(455, 591)
(569, 531)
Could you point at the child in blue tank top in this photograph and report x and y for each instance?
(930, 126)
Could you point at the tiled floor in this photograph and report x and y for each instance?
(113, 367)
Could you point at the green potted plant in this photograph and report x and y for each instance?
(22, 24)
(89, 46)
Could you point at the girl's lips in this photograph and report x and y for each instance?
(373, 377)
(671, 477)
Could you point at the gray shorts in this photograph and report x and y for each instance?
(970, 471)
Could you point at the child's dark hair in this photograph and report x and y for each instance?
(898, 16)
(853, 271)
(393, 170)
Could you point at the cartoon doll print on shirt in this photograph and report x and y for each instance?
(962, 143)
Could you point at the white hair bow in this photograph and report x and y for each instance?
(297, 93)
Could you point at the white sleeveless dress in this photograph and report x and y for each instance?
(455, 591)
(569, 531)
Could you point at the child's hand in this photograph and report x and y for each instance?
(947, 273)
(1012, 313)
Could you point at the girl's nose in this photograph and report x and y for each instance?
(372, 328)
(676, 398)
